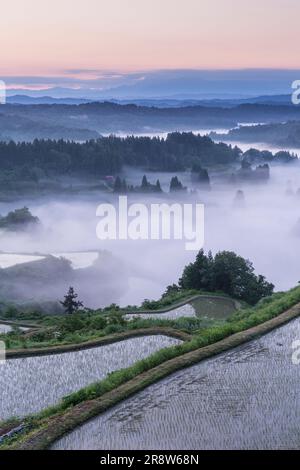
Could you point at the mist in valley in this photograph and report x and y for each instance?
(265, 228)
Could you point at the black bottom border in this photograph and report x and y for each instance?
(136, 459)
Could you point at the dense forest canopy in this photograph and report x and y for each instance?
(106, 156)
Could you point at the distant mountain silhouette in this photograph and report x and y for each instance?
(159, 103)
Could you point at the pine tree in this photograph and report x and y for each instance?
(70, 304)
(118, 185)
(124, 186)
(175, 184)
(145, 183)
(158, 187)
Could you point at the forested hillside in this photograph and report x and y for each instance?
(105, 156)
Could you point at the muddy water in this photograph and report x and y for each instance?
(244, 399)
(30, 384)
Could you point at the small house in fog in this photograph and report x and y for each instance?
(109, 179)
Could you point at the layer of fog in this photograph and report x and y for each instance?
(148, 132)
(264, 230)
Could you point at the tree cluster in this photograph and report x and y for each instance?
(42, 159)
(226, 272)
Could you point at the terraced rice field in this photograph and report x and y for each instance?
(211, 307)
(30, 384)
(247, 398)
(5, 328)
(184, 311)
(12, 259)
(78, 260)
(214, 307)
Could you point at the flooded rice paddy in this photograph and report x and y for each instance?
(30, 384)
(7, 260)
(212, 307)
(247, 398)
(5, 328)
(183, 311)
(79, 260)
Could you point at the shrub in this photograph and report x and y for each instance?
(72, 323)
(98, 323)
(113, 328)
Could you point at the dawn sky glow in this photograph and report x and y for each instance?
(52, 37)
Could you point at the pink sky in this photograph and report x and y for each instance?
(50, 36)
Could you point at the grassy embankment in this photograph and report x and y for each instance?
(94, 327)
